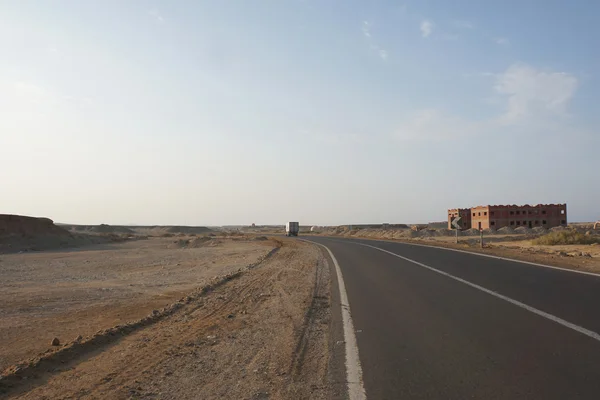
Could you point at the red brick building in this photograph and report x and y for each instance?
(496, 217)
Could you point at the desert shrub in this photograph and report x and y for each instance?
(566, 237)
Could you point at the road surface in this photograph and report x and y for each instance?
(441, 324)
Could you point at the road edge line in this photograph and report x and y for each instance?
(596, 274)
(354, 375)
(517, 303)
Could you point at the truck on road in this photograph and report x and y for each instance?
(292, 228)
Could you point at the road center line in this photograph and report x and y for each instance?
(541, 313)
(354, 376)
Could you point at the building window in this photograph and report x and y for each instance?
(485, 213)
(479, 214)
(473, 214)
(544, 222)
(512, 213)
(529, 212)
(512, 222)
(518, 212)
(543, 211)
(518, 222)
(563, 222)
(562, 212)
(492, 223)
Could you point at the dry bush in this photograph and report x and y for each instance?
(566, 237)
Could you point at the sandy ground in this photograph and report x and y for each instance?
(263, 334)
(69, 293)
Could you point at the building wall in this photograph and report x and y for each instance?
(544, 215)
(480, 217)
(496, 217)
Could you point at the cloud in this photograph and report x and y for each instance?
(533, 92)
(30, 93)
(529, 100)
(156, 15)
(426, 28)
(366, 29)
(461, 24)
(428, 124)
(502, 41)
(450, 36)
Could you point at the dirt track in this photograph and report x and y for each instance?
(263, 334)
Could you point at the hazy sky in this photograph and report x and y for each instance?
(325, 112)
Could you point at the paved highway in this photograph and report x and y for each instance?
(440, 324)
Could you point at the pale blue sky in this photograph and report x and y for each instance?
(326, 112)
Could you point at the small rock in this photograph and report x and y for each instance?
(230, 316)
(155, 312)
(78, 339)
(55, 342)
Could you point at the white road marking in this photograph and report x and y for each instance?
(354, 376)
(541, 313)
(486, 255)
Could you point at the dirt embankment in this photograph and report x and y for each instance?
(26, 226)
(258, 333)
(20, 233)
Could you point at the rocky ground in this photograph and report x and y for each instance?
(258, 333)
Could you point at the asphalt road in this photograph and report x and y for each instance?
(425, 335)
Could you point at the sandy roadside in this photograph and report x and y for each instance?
(71, 293)
(263, 334)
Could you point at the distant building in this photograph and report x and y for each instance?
(496, 217)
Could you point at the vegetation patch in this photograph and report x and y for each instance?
(566, 237)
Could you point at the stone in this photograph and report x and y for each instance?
(55, 342)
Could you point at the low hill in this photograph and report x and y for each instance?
(102, 228)
(22, 233)
(20, 225)
(158, 230)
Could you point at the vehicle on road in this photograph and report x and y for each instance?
(292, 228)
